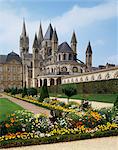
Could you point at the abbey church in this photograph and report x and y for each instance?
(50, 60)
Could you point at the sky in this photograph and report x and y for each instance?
(92, 20)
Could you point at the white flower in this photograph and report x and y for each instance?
(23, 129)
(42, 134)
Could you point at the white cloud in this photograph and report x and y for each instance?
(76, 18)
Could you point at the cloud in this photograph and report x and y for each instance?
(76, 18)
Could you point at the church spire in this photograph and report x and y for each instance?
(24, 29)
(89, 49)
(74, 44)
(40, 34)
(74, 39)
(89, 57)
(54, 36)
(35, 44)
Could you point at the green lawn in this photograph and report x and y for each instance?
(7, 107)
(108, 98)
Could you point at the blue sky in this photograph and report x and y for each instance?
(94, 20)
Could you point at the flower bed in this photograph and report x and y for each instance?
(25, 128)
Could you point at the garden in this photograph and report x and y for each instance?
(67, 121)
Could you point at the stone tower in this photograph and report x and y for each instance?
(35, 61)
(74, 44)
(54, 45)
(89, 57)
(24, 41)
(40, 36)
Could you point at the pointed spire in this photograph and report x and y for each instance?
(24, 29)
(89, 49)
(35, 44)
(40, 34)
(54, 36)
(49, 32)
(74, 39)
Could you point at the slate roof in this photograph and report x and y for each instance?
(89, 49)
(73, 39)
(3, 59)
(13, 55)
(64, 47)
(49, 32)
(54, 36)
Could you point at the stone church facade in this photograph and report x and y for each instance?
(54, 62)
(50, 60)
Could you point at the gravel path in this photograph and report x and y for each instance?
(93, 103)
(107, 143)
(31, 107)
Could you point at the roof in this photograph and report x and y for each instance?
(35, 44)
(89, 49)
(73, 39)
(3, 59)
(28, 55)
(54, 36)
(49, 32)
(13, 55)
(64, 47)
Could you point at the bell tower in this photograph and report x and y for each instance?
(24, 41)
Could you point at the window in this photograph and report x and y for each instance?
(59, 57)
(75, 69)
(64, 69)
(64, 56)
(70, 57)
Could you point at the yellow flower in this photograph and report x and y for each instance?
(7, 125)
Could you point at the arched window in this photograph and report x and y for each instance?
(51, 81)
(99, 77)
(92, 78)
(59, 57)
(63, 69)
(107, 76)
(64, 56)
(70, 57)
(52, 70)
(81, 79)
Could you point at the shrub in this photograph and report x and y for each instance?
(24, 93)
(116, 103)
(32, 91)
(14, 91)
(69, 90)
(44, 92)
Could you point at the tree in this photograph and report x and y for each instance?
(69, 90)
(44, 91)
(32, 91)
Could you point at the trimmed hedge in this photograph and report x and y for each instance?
(98, 87)
(55, 139)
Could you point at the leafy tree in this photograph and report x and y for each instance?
(44, 91)
(32, 91)
(69, 90)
